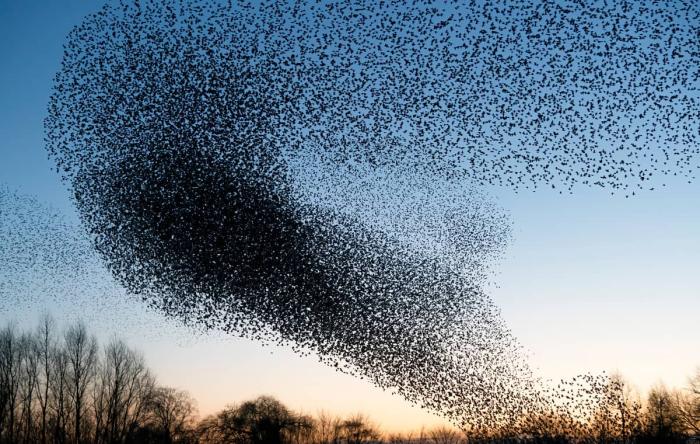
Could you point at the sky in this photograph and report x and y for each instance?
(590, 282)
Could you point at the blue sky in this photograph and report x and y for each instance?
(591, 281)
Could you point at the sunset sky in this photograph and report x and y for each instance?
(591, 281)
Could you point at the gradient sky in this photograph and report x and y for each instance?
(590, 282)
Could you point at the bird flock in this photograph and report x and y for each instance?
(28, 246)
(47, 263)
(310, 173)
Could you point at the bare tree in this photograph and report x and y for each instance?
(121, 393)
(81, 350)
(61, 390)
(10, 369)
(327, 428)
(263, 420)
(617, 415)
(662, 419)
(27, 384)
(401, 438)
(445, 435)
(59, 394)
(358, 430)
(688, 402)
(172, 413)
(45, 343)
(422, 437)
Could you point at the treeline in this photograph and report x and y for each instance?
(605, 410)
(62, 387)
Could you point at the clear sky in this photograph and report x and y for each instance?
(590, 282)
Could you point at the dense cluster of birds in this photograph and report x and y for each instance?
(305, 172)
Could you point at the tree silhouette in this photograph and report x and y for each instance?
(61, 387)
(358, 430)
(64, 389)
(172, 413)
(263, 420)
(663, 423)
(688, 403)
(81, 350)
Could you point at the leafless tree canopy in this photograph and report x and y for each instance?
(62, 387)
